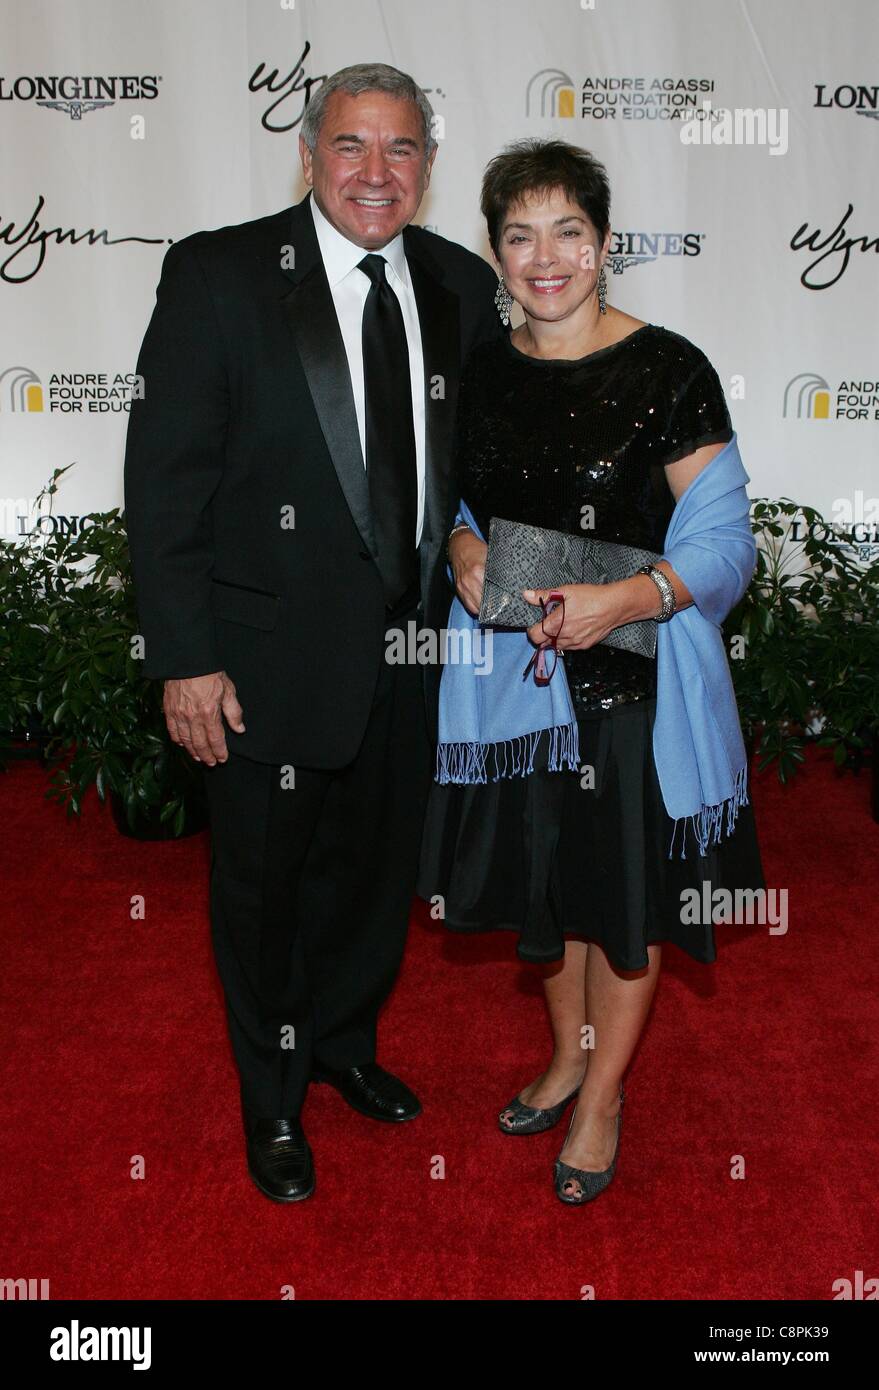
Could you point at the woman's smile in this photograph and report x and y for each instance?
(549, 285)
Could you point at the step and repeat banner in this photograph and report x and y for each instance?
(742, 143)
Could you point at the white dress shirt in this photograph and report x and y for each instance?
(349, 288)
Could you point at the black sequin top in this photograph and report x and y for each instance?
(539, 440)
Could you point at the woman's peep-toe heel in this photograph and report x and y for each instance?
(590, 1183)
(528, 1119)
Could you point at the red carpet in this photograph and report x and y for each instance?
(115, 1046)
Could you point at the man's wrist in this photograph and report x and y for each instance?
(456, 530)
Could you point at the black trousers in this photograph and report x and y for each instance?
(312, 878)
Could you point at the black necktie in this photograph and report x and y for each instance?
(390, 433)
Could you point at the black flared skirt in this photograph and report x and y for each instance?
(548, 857)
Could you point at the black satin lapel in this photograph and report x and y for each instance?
(439, 319)
(311, 316)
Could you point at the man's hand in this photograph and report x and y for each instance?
(467, 557)
(193, 712)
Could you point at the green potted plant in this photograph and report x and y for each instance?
(26, 594)
(807, 668)
(21, 610)
(104, 720)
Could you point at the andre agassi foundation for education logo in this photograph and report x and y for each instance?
(553, 94)
(550, 93)
(23, 392)
(808, 396)
(20, 390)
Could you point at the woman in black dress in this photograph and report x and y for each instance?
(583, 406)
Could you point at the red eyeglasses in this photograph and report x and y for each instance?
(553, 606)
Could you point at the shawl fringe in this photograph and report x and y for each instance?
(707, 824)
(513, 757)
(463, 763)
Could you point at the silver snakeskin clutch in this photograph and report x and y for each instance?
(533, 557)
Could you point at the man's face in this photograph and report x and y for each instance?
(367, 171)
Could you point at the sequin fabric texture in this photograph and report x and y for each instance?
(582, 446)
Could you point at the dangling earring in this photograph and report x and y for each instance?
(602, 292)
(503, 300)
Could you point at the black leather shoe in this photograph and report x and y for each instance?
(279, 1158)
(373, 1091)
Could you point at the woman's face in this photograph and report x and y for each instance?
(550, 254)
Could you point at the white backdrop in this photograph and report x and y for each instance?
(194, 137)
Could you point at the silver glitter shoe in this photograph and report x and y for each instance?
(590, 1183)
(530, 1119)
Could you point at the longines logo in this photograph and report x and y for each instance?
(52, 524)
(23, 517)
(552, 93)
(835, 248)
(808, 396)
(634, 248)
(76, 96)
(864, 101)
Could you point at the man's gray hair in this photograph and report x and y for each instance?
(367, 77)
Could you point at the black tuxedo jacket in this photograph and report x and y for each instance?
(246, 499)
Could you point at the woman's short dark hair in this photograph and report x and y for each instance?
(535, 166)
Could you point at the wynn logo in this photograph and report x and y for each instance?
(29, 239)
(835, 248)
(290, 85)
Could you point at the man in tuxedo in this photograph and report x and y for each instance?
(288, 496)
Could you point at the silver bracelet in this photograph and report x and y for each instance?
(667, 593)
